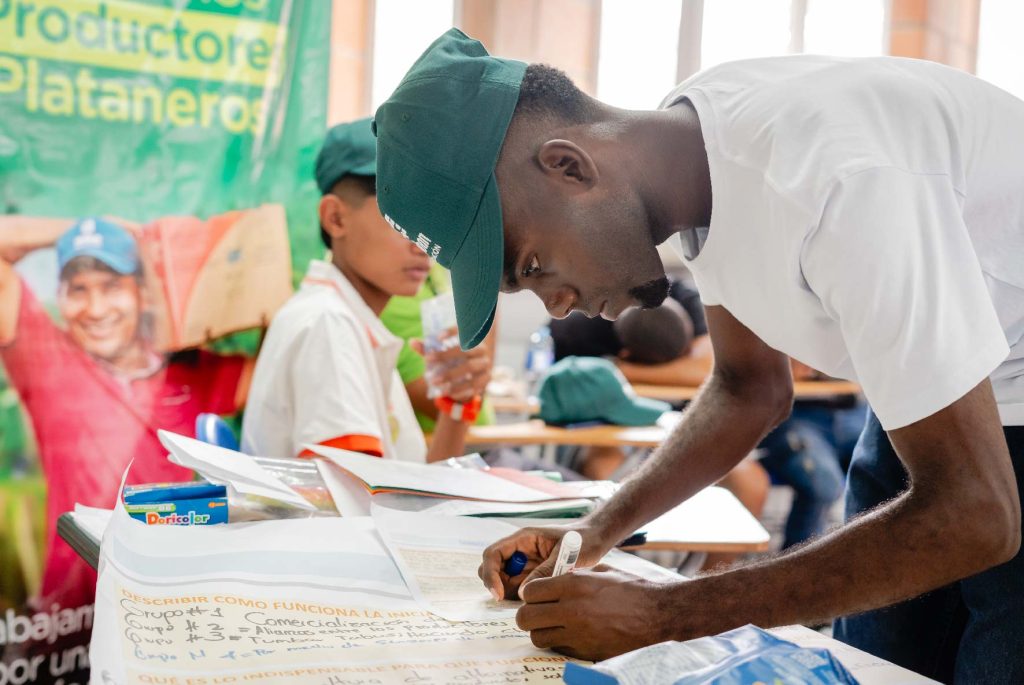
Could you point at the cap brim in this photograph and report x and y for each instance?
(636, 411)
(476, 270)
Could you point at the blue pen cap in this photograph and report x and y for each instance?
(515, 564)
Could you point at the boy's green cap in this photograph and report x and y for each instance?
(348, 149)
(579, 389)
(438, 140)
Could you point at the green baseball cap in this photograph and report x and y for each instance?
(590, 388)
(348, 149)
(438, 140)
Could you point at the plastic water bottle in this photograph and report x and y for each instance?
(540, 355)
(438, 316)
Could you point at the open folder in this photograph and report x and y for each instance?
(493, 485)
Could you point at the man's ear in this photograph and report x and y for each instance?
(566, 161)
(334, 215)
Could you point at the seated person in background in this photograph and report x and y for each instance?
(326, 373)
(402, 317)
(597, 337)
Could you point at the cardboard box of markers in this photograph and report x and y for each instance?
(177, 504)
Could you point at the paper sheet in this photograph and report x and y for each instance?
(256, 603)
(92, 520)
(390, 475)
(350, 497)
(227, 467)
(438, 557)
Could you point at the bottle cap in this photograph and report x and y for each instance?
(515, 564)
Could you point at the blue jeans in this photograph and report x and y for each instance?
(971, 631)
(806, 453)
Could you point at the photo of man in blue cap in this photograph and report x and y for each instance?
(864, 216)
(94, 388)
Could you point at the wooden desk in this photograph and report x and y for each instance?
(536, 432)
(802, 390)
(514, 405)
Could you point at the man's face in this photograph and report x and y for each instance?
(102, 311)
(588, 251)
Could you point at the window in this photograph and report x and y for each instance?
(852, 28)
(403, 29)
(1000, 48)
(636, 65)
(741, 29)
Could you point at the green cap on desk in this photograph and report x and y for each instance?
(580, 389)
(348, 149)
(438, 140)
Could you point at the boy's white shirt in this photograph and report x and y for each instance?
(327, 370)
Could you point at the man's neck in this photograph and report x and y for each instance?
(375, 298)
(672, 165)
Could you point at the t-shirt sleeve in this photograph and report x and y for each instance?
(332, 389)
(892, 262)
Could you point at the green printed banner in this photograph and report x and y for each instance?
(156, 194)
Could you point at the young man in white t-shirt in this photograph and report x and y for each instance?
(865, 217)
(326, 372)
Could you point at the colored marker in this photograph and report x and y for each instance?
(515, 564)
(568, 553)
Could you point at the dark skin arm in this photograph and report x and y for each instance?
(960, 516)
(749, 393)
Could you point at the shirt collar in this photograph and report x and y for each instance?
(327, 274)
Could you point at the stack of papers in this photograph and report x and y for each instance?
(237, 471)
(494, 485)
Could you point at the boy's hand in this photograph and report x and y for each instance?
(457, 374)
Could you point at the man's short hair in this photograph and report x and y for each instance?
(546, 90)
(85, 263)
(353, 189)
(655, 336)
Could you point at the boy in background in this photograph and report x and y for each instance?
(326, 374)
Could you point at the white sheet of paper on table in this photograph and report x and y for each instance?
(349, 495)
(438, 557)
(227, 467)
(403, 475)
(198, 604)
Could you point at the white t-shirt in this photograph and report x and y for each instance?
(868, 220)
(326, 370)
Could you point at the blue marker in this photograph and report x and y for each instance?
(515, 564)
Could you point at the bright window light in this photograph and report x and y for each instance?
(852, 28)
(636, 65)
(1000, 48)
(741, 29)
(403, 29)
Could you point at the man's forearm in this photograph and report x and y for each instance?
(718, 429)
(19, 235)
(898, 551)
